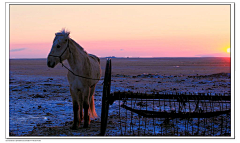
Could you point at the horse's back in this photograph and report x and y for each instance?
(94, 57)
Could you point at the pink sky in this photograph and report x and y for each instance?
(123, 30)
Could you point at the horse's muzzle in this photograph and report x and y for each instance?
(51, 64)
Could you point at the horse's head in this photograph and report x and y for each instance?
(60, 49)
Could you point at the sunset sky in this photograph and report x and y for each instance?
(123, 30)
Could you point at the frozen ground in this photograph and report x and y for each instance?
(41, 105)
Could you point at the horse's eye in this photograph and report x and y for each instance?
(58, 46)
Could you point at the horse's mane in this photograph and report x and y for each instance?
(77, 45)
(66, 33)
(63, 32)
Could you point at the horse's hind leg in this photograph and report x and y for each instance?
(92, 111)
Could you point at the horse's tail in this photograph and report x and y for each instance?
(93, 113)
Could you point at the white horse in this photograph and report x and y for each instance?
(83, 75)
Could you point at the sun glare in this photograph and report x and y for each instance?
(228, 50)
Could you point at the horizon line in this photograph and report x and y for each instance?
(113, 57)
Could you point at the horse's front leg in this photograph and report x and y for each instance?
(86, 107)
(76, 118)
(81, 112)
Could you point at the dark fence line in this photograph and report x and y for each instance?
(181, 97)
